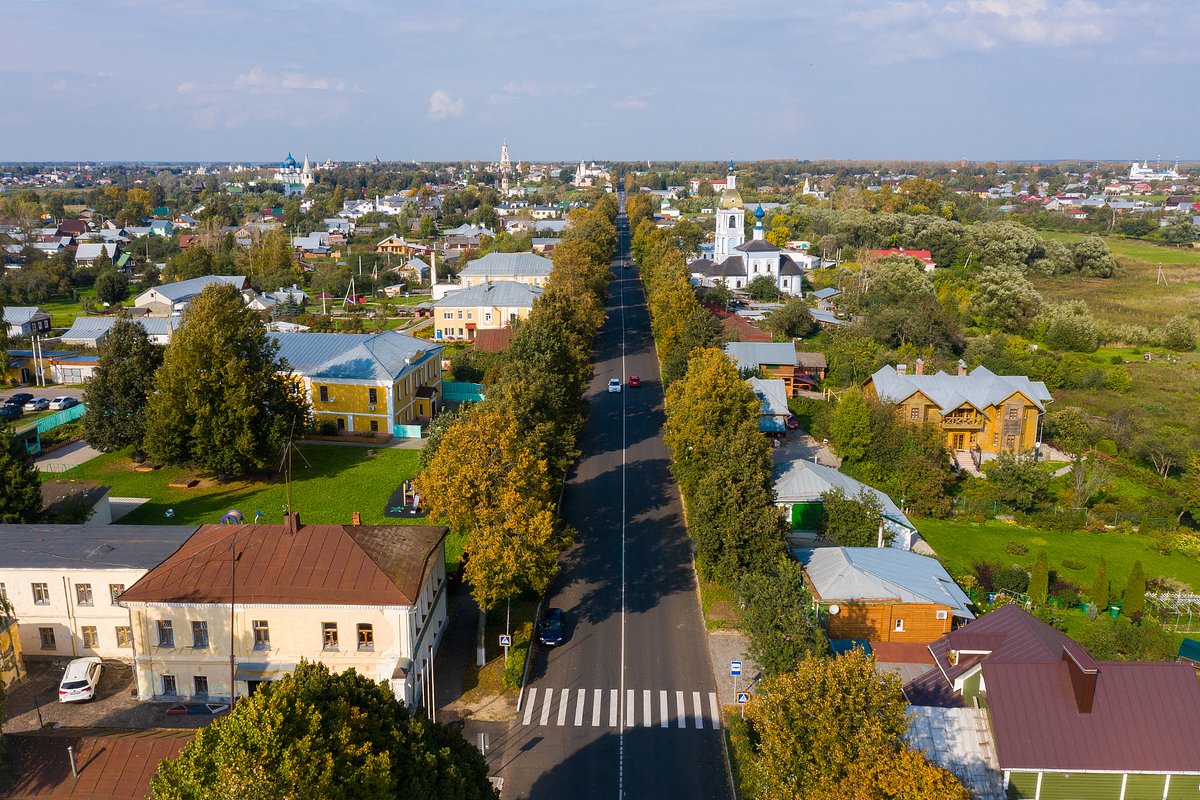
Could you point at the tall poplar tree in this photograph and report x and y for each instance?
(119, 390)
(20, 487)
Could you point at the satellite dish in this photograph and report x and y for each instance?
(834, 609)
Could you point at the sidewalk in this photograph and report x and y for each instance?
(70, 456)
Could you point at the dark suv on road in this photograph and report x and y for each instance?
(551, 631)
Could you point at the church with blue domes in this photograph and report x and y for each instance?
(735, 262)
(295, 178)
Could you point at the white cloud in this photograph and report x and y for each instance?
(259, 81)
(635, 102)
(441, 106)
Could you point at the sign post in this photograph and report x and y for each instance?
(735, 669)
(505, 642)
(742, 699)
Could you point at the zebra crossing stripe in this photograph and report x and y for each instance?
(613, 707)
(681, 709)
(663, 713)
(630, 708)
(699, 709)
(580, 702)
(564, 702)
(716, 710)
(529, 705)
(546, 707)
(647, 712)
(596, 700)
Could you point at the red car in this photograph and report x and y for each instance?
(634, 382)
(791, 423)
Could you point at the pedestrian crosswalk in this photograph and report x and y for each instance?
(646, 708)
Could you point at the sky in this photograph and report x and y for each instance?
(221, 80)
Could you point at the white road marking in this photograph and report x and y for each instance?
(631, 709)
(681, 709)
(614, 706)
(546, 706)
(647, 714)
(529, 705)
(699, 709)
(564, 702)
(664, 714)
(597, 698)
(716, 710)
(580, 703)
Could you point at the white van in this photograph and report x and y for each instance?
(80, 680)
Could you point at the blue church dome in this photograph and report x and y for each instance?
(758, 212)
(731, 167)
(289, 162)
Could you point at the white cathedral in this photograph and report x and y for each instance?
(295, 178)
(736, 262)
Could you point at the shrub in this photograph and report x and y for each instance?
(1107, 446)
(327, 428)
(1016, 548)
(1012, 578)
(514, 670)
(1073, 563)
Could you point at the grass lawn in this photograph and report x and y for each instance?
(64, 310)
(960, 543)
(342, 480)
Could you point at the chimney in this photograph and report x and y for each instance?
(920, 366)
(356, 518)
(962, 367)
(291, 522)
(902, 369)
(1083, 677)
(433, 267)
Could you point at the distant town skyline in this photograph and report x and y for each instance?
(671, 80)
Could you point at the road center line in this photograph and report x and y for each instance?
(624, 441)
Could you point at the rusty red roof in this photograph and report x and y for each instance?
(1144, 716)
(322, 564)
(113, 764)
(493, 341)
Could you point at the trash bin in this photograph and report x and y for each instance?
(1114, 610)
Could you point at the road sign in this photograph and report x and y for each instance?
(505, 640)
(743, 698)
(735, 668)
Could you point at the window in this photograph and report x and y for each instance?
(899, 625)
(914, 413)
(3, 592)
(487, 316)
(199, 634)
(372, 395)
(41, 594)
(166, 633)
(329, 637)
(366, 637)
(262, 634)
(91, 638)
(200, 684)
(83, 594)
(114, 591)
(341, 423)
(374, 426)
(324, 390)
(1012, 412)
(460, 314)
(124, 636)
(469, 313)
(447, 315)
(47, 637)
(169, 685)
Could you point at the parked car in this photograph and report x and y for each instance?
(60, 403)
(80, 680)
(791, 423)
(634, 382)
(551, 630)
(18, 399)
(37, 404)
(614, 385)
(9, 413)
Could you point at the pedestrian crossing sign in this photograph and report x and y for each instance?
(505, 640)
(743, 698)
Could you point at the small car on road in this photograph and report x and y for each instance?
(634, 382)
(550, 632)
(64, 402)
(614, 386)
(37, 404)
(791, 423)
(80, 680)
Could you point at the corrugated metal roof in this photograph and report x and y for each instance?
(880, 573)
(113, 764)
(21, 315)
(380, 356)
(772, 394)
(981, 388)
(522, 264)
(499, 294)
(183, 290)
(825, 294)
(803, 481)
(1007, 634)
(89, 546)
(322, 564)
(89, 330)
(749, 355)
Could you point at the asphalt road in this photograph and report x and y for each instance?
(626, 707)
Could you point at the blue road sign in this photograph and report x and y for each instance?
(735, 668)
(505, 640)
(743, 698)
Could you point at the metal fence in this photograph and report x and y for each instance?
(60, 418)
(1078, 516)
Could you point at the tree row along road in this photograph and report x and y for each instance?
(625, 708)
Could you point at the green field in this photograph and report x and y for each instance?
(342, 479)
(960, 543)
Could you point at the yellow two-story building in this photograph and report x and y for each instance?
(482, 307)
(528, 268)
(978, 411)
(365, 382)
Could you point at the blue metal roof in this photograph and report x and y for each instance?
(497, 294)
(524, 264)
(880, 574)
(381, 356)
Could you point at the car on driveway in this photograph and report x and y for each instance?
(64, 402)
(9, 413)
(634, 382)
(614, 385)
(791, 423)
(80, 680)
(37, 404)
(550, 632)
(18, 399)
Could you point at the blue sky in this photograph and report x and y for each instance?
(615, 79)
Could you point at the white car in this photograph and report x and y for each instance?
(60, 403)
(614, 385)
(80, 680)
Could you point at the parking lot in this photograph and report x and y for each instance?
(33, 703)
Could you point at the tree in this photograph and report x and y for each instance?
(222, 401)
(718, 296)
(111, 287)
(1039, 579)
(905, 775)
(1005, 299)
(790, 321)
(1180, 333)
(1134, 599)
(763, 288)
(824, 726)
(1070, 326)
(121, 387)
(20, 486)
(779, 620)
(1018, 482)
(1091, 257)
(1100, 586)
(3, 341)
(850, 428)
(320, 735)
(852, 521)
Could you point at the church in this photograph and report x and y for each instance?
(736, 262)
(295, 179)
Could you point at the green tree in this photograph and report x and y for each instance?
(850, 429)
(790, 321)
(20, 486)
(121, 387)
(1005, 299)
(1070, 326)
(1134, 599)
(1039, 579)
(3, 343)
(763, 288)
(718, 296)
(111, 287)
(222, 401)
(779, 620)
(852, 521)
(1120, 639)
(315, 734)
(1018, 482)
(427, 227)
(1180, 333)
(1091, 257)
(1100, 586)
